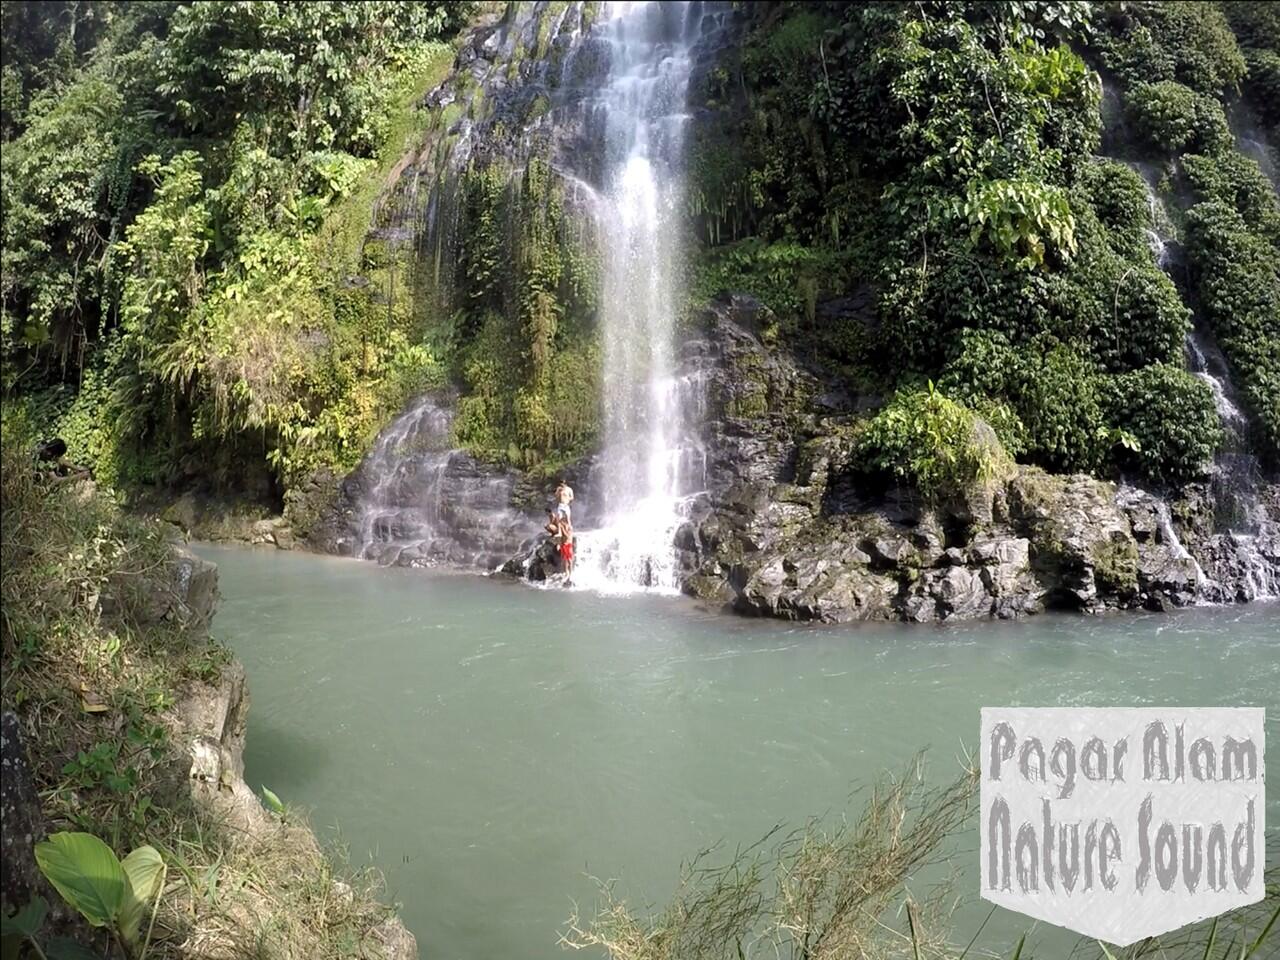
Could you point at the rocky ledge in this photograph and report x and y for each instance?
(790, 528)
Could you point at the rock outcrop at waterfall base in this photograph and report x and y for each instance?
(792, 526)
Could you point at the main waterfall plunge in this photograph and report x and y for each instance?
(649, 461)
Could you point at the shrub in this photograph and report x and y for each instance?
(937, 444)
(1056, 417)
(784, 276)
(1239, 289)
(1197, 35)
(1057, 401)
(1264, 85)
(824, 890)
(1172, 117)
(1188, 41)
(983, 373)
(1237, 181)
(1118, 196)
(1170, 416)
(1117, 302)
(1257, 27)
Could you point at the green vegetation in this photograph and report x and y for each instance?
(1240, 294)
(1257, 28)
(525, 295)
(1176, 61)
(107, 891)
(187, 193)
(933, 442)
(943, 155)
(207, 281)
(1167, 416)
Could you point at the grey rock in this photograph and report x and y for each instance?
(22, 826)
(960, 593)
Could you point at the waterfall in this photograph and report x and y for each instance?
(421, 501)
(600, 97)
(415, 442)
(1236, 473)
(649, 462)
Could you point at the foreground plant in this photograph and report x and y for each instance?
(819, 893)
(845, 892)
(108, 892)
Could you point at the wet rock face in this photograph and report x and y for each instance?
(789, 527)
(417, 501)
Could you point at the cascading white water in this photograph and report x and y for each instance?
(423, 502)
(1234, 474)
(416, 442)
(644, 471)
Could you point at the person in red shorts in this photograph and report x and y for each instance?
(566, 550)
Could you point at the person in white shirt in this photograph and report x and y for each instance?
(560, 525)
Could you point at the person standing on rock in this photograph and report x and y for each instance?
(564, 497)
(566, 549)
(560, 526)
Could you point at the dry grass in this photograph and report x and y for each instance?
(844, 892)
(277, 895)
(820, 892)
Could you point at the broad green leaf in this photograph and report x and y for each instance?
(145, 871)
(86, 872)
(27, 921)
(64, 948)
(272, 802)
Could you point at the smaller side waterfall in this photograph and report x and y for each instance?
(1238, 564)
(413, 448)
(419, 501)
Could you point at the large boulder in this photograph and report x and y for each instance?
(1082, 548)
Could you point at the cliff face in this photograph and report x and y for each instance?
(793, 526)
(1088, 363)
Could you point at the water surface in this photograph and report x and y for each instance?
(491, 747)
